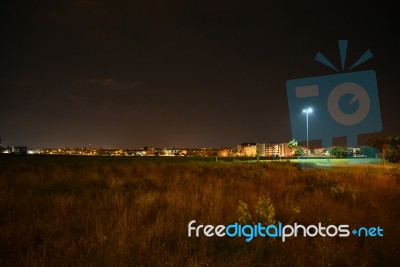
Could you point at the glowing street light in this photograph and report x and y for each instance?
(307, 111)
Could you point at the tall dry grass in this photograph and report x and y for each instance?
(71, 211)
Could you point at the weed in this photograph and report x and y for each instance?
(244, 213)
(106, 211)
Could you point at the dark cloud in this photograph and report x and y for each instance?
(111, 84)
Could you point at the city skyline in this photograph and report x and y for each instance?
(177, 74)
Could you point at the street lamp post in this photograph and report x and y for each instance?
(307, 111)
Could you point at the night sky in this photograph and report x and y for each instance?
(177, 73)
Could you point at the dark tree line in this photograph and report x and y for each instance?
(389, 147)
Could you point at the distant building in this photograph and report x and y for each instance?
(247, 149)
(277, 149)
(224, 152)
(19, 150)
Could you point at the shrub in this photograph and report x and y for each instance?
(264, 212)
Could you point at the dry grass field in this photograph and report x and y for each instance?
(103, 211)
